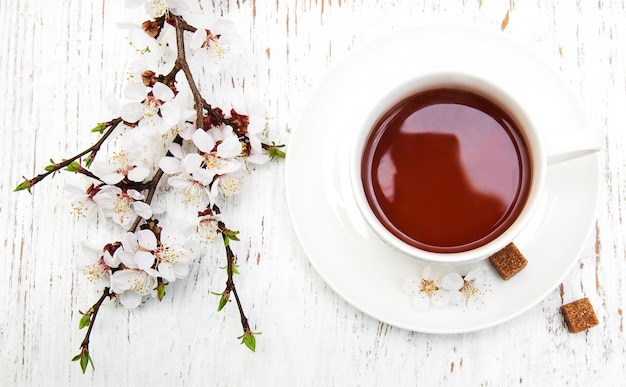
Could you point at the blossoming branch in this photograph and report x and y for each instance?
(167, 130)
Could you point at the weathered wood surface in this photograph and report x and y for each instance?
(60, 60)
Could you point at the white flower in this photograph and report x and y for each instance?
(215, 169)
(154, 8)
(174, 254)
(186, 129)
(153, 108)
(207, 226)
(131, 285)
(138, 278)
(173, 164)
(219, 166)
(122, 164)
(139, 39)
(227, 185)
(468, 288)
(122, 207)
(193, 190)
(215, 45)
(157, 8)
(181, 168)
(228, 144)
(427, 289)
(257, 125)
(97, 265)
(171, 253)
(82, 202)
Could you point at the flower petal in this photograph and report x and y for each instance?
(90, 254)
(129, 242)
(170, 165)
(138, 174)
(144, 260)
(179, 183)
(411, 285)
(176, 150)
(203, 141)
(151, 274)
(165, 269)
(171, 114)
(147, 239)
(132, 112)
(162, 92)
(197, 39)
(135, 91)
(130, 299)
(169, 236)
(122, 280)
(230, 147)
(421, 301)
(136, 195)
(440, 298)
(111, 260)
(127, 258)
(142, 209)
(112, 178)
(452, 281)
(192, 162)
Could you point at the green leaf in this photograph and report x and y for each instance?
(230, 236)
(84, 321)
(88, 161)
(249, 340)
(161, 291)
(73, 167)
(98, 129)
(91, 362)
(84, 360)
(235, 271)
(26, 184)
(274, 152)
(51, 168)
(223, 302)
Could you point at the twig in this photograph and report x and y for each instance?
(181, 62)
(111, 126)
(230, 282)
(83, 356)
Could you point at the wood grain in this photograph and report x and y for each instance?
(60, 63)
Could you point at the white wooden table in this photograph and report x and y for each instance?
(61, 60)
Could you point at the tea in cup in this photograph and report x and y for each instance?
(449, 168)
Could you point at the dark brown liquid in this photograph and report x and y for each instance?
(446, 170)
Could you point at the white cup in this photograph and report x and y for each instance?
(543, 150)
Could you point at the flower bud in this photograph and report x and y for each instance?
(148, 78)
(152, 28)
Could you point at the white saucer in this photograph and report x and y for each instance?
(341, 246)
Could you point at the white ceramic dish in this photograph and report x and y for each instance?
(337, 240)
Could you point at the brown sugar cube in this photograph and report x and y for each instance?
(508, 261)
(579, 315)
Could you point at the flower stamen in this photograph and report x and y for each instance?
(428, 287)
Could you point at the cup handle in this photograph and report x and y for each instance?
(563, 146)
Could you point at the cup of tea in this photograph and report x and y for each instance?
(449, 168)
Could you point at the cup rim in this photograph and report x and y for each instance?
(466, 82)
